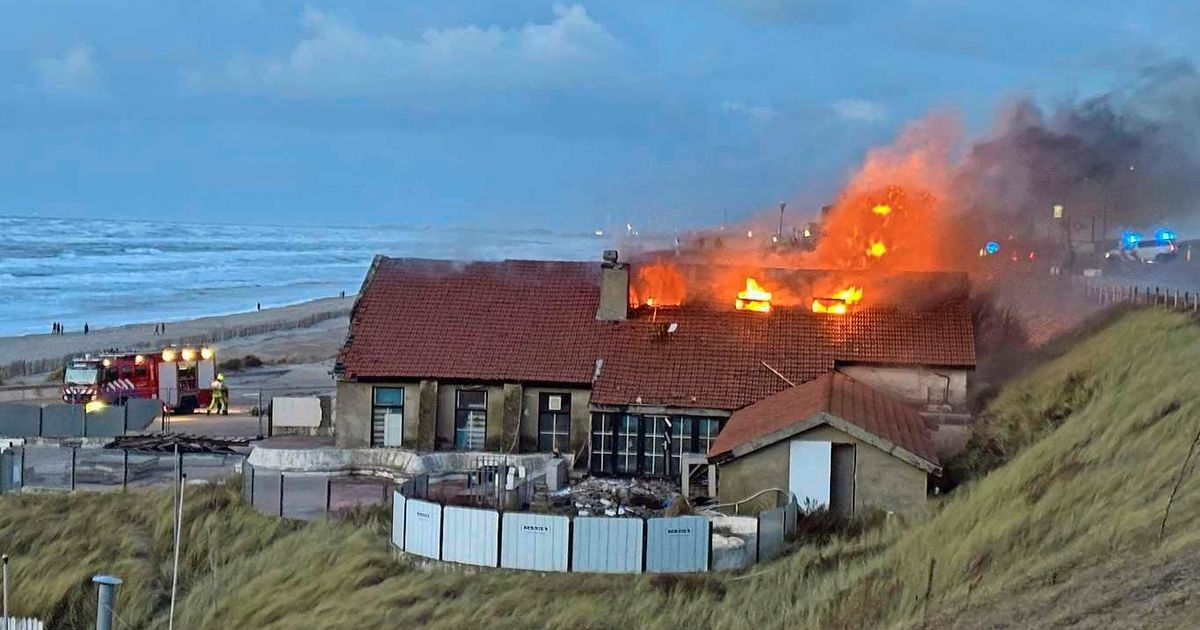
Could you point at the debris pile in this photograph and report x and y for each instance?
(615, 497)
(166, 442)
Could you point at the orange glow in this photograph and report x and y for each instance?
(838, 303)
(657, 284)
(753, 298)
(877, 249)
(882, 209)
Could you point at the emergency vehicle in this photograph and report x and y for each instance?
(1134, 248)
(180, 377)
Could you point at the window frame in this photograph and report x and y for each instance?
(378, 419)
(465, 416)
(556, 430)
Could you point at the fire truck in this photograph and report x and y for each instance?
(180, 377)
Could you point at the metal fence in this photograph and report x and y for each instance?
(1111, 293)
(101, 470)
(307, 496)
(74, 421)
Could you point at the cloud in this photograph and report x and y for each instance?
(73, 73)
(756, 113)
(859, 110)
(335, 59)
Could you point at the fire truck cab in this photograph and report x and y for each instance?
(180, 377)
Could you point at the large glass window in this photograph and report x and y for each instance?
(602, 442)
(706, 433)
(682, 441)
(554, 423)
(655, 438)
(387, 404)
(470, 419)
(628, 445)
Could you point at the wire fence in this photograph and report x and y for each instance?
(309, 496)
(104, 470)
(1141, 295)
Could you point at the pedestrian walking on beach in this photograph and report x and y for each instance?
(85, 328)
(258, 306)
(162, 328)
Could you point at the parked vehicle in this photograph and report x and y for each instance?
(180, 377)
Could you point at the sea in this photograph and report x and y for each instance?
(107, 272)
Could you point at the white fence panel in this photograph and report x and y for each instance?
(21, 623)
(398, 508)
(471, 536)
(678, 545)
(537, 542)
(423, 529)
(607, 545)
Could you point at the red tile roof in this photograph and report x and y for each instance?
(527, 321)
(718, 358)
(880, 416)
(532, 321)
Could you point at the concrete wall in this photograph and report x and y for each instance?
(352, 424)
(912, 384)
(880, 480)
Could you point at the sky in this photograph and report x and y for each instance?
(569, 116)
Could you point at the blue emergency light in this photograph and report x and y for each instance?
(992, 247)
(1165, 235)
(1130, 238)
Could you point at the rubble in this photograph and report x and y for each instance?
(164, 442)
(615, 497)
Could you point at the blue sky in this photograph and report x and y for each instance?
(520, 114)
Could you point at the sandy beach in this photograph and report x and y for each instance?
(310, 332)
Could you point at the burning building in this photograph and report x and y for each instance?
(629, 368)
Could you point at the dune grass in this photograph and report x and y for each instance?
(1079, 457)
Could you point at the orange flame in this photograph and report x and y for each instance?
(838, 303)
(882, 210)
(657, 284)
(753, 298)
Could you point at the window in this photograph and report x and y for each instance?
(628, 445)
(387, 407)
(554, 423)
(655, 438)
(470, 419)
(682, 441)
(706, 433)
(602, 442)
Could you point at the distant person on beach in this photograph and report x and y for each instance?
(343, 295)
(85, 328)
(258, 306)
(156, 330)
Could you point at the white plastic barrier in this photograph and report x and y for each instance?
(537, 542)
(399, 505)
(423, 529)
(607, 545)
(678, 545)
(470, 536)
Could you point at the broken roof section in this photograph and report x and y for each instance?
(832, 399)
(535, 321)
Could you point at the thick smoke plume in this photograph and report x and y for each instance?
(1127, 159)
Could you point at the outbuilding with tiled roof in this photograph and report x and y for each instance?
(832, 441)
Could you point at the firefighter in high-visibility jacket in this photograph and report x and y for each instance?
(220, 397)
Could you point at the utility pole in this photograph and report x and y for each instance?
(4, 559)
(782, 205)
(178, 535)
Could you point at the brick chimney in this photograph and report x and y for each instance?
(614, 289)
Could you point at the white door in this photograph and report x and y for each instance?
(810, 472)
(206, 373)
(168, 383)
(393, 429)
